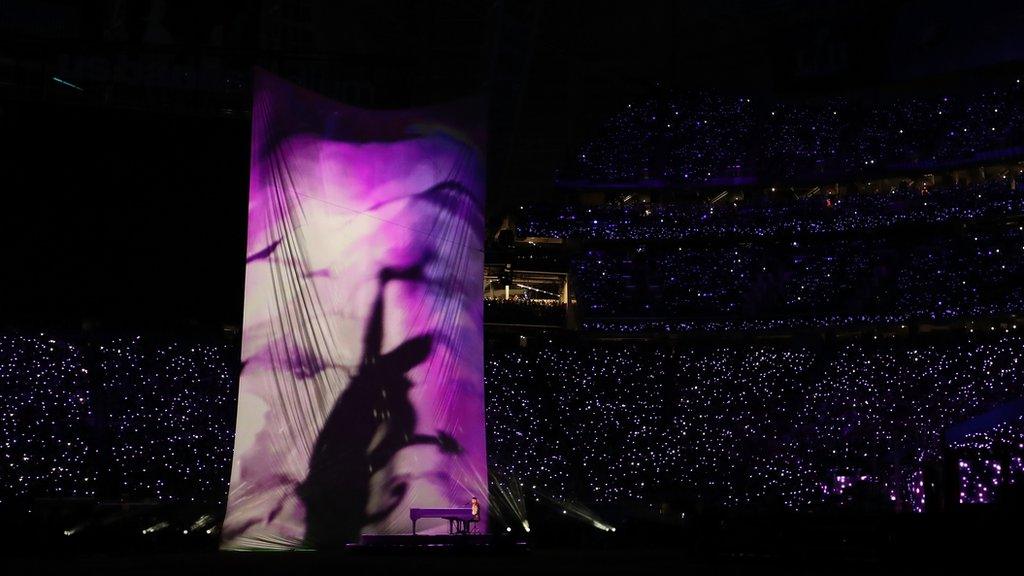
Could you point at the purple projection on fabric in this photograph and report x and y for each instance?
(361, 390)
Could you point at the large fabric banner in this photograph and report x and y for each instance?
(361, 389)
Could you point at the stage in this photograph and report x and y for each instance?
(420, 563)
(436, 543)
(423, 540)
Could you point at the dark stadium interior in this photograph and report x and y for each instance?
(752, 290)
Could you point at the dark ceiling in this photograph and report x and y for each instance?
(125, 124)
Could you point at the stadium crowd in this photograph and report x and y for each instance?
(703, 136)
(524, 311)
(119, 418)
(717, 425)
(720, 424)
(989, 458)
(841, 281)
(746, 426)
(863, 212)
(46, 418)
(169, 411)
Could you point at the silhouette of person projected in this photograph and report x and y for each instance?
(371, 421)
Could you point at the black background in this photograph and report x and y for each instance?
(124, 196)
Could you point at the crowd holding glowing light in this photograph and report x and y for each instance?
(741, 426)
(714, 425)
(583, 422)
(115, 418)
(989, 459)
(168, 411)
(46, 410)
(894, 257)
(698, 137)
(794, 426)
(940, 276)
(900, 206)
(521, 310)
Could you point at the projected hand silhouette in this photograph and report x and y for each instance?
(371, 421)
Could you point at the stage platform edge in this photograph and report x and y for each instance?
(434, 542)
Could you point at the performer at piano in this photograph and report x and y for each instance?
(474, 508)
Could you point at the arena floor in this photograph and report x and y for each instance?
(563, 561)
